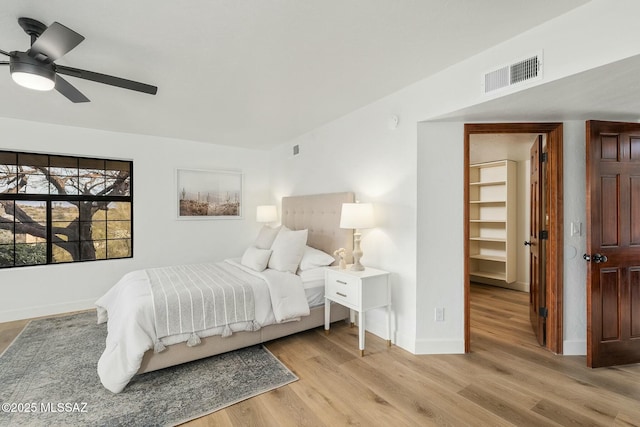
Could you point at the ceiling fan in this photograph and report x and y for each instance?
(36, 69)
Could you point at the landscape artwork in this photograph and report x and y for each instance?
(208, 194)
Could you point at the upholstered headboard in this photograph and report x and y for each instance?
(320, 214)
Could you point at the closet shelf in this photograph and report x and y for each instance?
(489, 257)
(492, 212)
(489, 275)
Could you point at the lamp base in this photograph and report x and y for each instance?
(357, 267)
(357, 253)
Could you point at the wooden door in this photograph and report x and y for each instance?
(537, 291)
(613, 243)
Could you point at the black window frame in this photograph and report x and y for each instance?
(83, 163)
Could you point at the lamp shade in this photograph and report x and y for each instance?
(266, 213)
(357, 215)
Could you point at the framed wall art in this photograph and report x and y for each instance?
(209, 194)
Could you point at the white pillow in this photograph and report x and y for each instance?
(256, 258)
(287, 250)
(266, 237)
(314, 258)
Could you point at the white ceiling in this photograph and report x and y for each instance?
(610, 92)
(252, 73)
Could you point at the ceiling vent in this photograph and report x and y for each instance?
(525, 70)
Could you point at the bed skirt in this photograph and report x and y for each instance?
(210, 346)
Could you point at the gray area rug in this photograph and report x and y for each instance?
(48, 377)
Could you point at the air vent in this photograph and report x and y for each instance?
(519, 72)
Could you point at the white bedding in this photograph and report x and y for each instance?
(279, 297)
(313, 282)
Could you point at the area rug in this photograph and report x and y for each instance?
(48, 377)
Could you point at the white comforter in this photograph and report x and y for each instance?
(279, 297)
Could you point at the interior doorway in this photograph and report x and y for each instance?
(487, 221)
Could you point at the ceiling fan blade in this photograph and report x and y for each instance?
(55, 41)
(4, 53)
(106, 79)
(68, 90)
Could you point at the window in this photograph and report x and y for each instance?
(57, 209)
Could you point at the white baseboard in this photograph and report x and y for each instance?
(406, 342)
(442, 346)
(574, 348)
(46, 310)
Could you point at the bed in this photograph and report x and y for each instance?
(137, 344)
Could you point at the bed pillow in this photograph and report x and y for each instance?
(256, 258)
(266, 236)
(287, 250)
(314, 258)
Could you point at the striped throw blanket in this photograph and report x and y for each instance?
(192, 298)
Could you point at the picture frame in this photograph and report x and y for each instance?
(209, 194)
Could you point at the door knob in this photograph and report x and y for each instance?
(597, 258)
(527, 243)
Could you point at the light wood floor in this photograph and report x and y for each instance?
(507, 379)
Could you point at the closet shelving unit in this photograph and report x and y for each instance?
(492, 222)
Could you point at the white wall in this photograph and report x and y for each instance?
(159, 238)
(363, 155)
(575, 268)
(419, 168)
(523, 225)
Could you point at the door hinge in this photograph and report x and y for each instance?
(544, 235)
(543, 157)
(543, 312)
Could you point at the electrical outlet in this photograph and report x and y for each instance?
(439, 314)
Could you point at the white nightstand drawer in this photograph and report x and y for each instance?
(343, 288)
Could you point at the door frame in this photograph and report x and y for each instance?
(554, 255)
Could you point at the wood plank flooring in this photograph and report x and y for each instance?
(506, 380)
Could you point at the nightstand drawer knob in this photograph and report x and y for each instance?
(341, 282)
(342, 295)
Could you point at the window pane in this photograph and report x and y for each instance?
(118, 184)
(94, 164)
(65, 231)
(33, 183)
(118, 230)
(32, 161)
(101, 249)
(64, 211)
(31, 253)
(8, 158)
(6, 210)
(61, 254)
(6, 255)
(29, 212)
(98, 230)
(8, 178)
(6, 235)
(119, 248)
(119, 211)
(63, 185)
(91, 183)
(87, 250)
(61, 163)
(31, 173)
(116, 165)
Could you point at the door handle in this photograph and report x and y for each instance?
(597, 258)
(527, 243)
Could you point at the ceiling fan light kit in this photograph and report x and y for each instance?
(31, 73)
(35, 68)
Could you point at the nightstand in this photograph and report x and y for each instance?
(359, 291)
